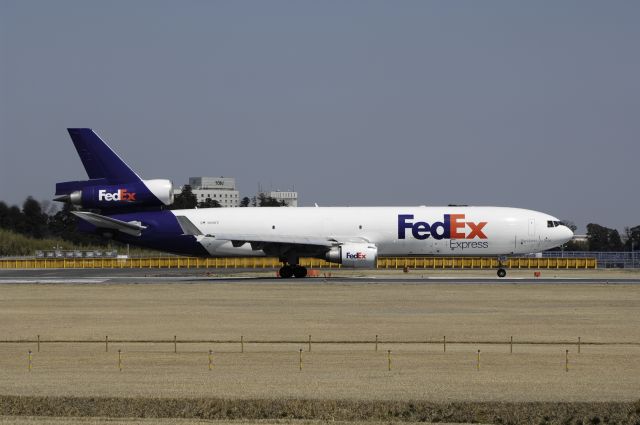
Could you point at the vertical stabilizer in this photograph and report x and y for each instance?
(99, 160)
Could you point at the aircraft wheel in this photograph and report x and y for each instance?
(502, 272)
(299, 271)
(286, 272)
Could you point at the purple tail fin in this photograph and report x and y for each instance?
(99, 160)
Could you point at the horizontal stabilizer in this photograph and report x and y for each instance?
(104, 222)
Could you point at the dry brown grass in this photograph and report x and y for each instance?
(351, 373)
(343, 372)
(350, 311)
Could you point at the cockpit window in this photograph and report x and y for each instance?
(550, 223)
(554, 223)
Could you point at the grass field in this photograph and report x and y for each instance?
(36, 420)
(277, 312)
(410, 312)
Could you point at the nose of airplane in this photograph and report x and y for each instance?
(566, 234)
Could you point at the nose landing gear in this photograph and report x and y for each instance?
(501, 264)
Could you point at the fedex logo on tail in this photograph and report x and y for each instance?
(453, 226)
(121, 195)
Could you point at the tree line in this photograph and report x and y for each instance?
(42, 220)
(188, 200)
(45, 220)
(602, 238)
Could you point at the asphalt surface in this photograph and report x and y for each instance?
(185, 276)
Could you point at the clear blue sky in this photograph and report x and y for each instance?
(528, 104)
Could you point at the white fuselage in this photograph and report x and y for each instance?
(396, 231)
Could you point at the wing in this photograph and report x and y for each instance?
(282, 239)
(285, 246)
(271, 243)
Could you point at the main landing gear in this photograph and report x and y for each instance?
(288, 271)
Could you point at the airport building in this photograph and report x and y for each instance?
(289, 198)
(221, 189)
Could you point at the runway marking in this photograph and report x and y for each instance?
(52, 280)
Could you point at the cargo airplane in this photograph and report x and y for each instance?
(117, 203)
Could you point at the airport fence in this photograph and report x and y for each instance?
(229, 346)
(373, 344)
(258, 263)
(621, 259)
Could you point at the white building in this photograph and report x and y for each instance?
(221, 189)
(289, 198)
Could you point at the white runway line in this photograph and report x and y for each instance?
(52, 281)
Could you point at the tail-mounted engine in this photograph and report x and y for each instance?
(356, 255)
(93, 195)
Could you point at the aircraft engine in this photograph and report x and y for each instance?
(355, 255)
(147, 193)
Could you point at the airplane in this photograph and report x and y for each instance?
(117, 203)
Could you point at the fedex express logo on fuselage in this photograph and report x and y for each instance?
(121, 195)
(356, 256)
(453, 226)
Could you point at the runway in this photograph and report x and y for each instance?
(244, 276)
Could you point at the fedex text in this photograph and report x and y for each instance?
(453, 226)
(121, 195)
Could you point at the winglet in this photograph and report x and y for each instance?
(187, 226)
